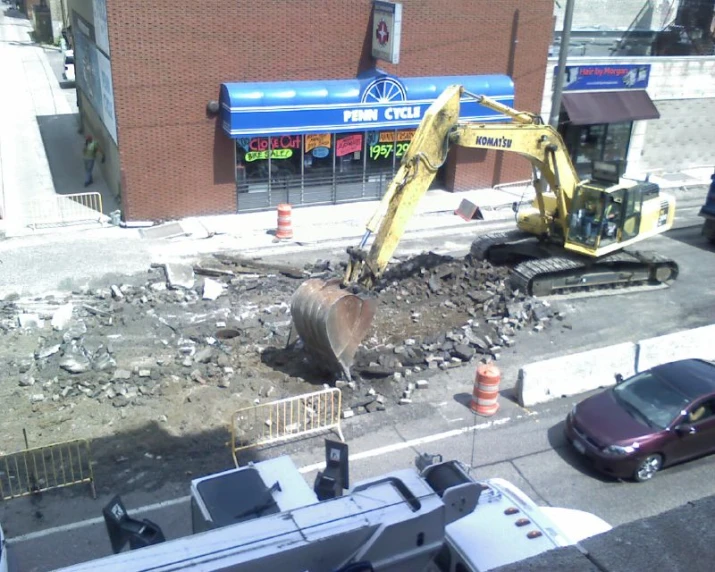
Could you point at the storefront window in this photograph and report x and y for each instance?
(348, 153)
(310, 168)
(318, 158)
(618, 136)
(260, 159)
(601, 142)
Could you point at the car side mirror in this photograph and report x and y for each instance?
(619, 378)
(515, 206)
(685, 429)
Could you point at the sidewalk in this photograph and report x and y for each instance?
(40, 150)
(436, 211)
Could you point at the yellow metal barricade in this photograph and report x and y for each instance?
(60, 210)
(44, 468)
(270, 423)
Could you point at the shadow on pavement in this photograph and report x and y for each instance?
(691, 235)
(63, 145)
(558, 442)
(11, 12)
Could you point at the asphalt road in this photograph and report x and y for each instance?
(526, 447)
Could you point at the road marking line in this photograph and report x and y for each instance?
(303, 470)
(92, 521)
(409, 444)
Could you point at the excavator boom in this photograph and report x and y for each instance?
(332, 318)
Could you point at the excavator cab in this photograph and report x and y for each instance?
(597, 219)
(608, 213)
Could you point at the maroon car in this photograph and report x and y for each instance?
(656, 418)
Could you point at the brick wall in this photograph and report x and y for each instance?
(169, 59)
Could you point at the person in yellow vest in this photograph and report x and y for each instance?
(91, 150)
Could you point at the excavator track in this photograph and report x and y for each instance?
(563, 274)
(491, 246)
(542, 270)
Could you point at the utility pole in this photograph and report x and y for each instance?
(563, 56)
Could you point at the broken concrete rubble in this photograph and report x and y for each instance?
(434, 313)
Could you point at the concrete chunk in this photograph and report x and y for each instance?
(75, 364)
(568, 375)
(212, 289)
(62, 316)
(179, 275)
(48, 351)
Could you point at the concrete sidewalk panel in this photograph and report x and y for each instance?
(696, 343)
(568, 375)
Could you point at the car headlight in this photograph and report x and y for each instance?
(619, 451)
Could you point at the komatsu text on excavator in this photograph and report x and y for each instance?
(572, 237)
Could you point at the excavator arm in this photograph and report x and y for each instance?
(425, 155)
(527, 136)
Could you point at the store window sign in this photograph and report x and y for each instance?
(384, 150)
(602, 77)
(390, 136)
(313, 141)
(349, 144)
(281, 142)
(275, 154)
(321, 152)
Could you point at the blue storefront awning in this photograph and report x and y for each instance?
(375, 102)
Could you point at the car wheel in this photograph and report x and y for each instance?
(648, 467)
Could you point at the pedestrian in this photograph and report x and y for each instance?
(91, 150)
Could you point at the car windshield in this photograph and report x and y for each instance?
(651, 398)
(69, 60)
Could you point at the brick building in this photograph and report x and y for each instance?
(227, 105)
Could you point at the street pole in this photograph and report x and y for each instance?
(563, 56)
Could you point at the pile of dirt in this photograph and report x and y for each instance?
(217, 332)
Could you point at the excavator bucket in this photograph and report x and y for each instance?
(331, 321)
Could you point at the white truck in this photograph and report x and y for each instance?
(265, 518)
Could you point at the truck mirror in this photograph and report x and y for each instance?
(619, 378)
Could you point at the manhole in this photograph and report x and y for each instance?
(227, 333)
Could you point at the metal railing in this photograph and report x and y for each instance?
(43, 468)
(293, 417)
(62, 210)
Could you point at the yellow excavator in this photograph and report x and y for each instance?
(572, 237)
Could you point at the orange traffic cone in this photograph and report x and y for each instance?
(486, 390)
(285, 226)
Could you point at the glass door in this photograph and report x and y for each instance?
(632, 216)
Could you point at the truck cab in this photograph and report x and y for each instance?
(506, 527)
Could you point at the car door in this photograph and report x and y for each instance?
(696, 437)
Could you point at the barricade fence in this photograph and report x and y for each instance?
(60, 210)
(44, 468)
(270, 423)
